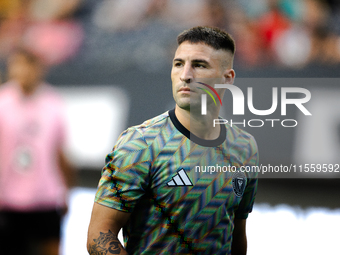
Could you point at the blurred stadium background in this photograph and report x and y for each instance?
(111, 59)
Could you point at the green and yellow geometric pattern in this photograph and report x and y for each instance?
(179, 218)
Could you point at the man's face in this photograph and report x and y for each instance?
(26, 73)
(192, 63)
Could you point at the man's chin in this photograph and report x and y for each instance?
(185, 107)
(189, 105)
(193, 108)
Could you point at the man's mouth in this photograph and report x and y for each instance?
(184, 89)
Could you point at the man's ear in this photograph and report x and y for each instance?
(229, 76)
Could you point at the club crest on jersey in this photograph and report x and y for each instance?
(239, 182)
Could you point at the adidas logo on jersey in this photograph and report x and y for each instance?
(180, 179)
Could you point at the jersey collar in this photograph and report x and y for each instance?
(206, 143)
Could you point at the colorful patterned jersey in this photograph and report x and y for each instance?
(183, 192)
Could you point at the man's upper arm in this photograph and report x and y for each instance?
(104, 226)
(124, 180)
(248, 197)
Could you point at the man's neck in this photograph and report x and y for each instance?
(29, 90)
(199, 125)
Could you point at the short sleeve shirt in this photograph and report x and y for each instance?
(183, 192)
(32, 130)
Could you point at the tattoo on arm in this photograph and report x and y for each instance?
(106, 243)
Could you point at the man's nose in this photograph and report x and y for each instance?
(187, 74)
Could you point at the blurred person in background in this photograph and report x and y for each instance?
(250, 45)
(312, 38)
(13, 16)
(271, 25)
(46, 26)
(53, 32)
(324, 41)
(35, 174)
(215, 14)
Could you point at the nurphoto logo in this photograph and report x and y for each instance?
(239, 104)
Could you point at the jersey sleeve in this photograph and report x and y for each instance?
(248, 198)
(126, 175)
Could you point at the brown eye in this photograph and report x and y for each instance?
(199, 66)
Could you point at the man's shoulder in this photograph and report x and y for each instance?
(153, 123)
(236, 135)
(145, 131)
(242, 146)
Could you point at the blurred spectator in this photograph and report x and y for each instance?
(120, 15)
(250, 50)
(127, 15)
(12, 24)
(214, 14)
(293, 47)
(254, 8)
(53, 33)
(185, 13)
(311, 40)
(44, 26)
(34, 172)
(317, 19)
(288, 33)
(271, 26)
(292, 9)
(156, 8)
(52, 9)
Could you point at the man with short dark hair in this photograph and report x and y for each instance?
(174, 182)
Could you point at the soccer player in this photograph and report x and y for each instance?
(174, 182)
(34, 172)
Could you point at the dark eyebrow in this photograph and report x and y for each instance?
(200, 61)
(195, 61)
(178, 59)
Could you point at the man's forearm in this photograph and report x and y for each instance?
(239, 243)
(106, 243)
